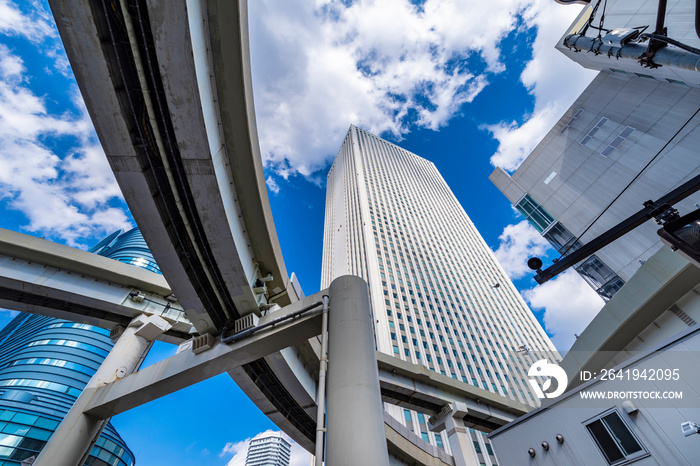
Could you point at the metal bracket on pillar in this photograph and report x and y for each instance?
(116, 332)
(451, 419)
(437, 423)
(202, 343)
(149, 327)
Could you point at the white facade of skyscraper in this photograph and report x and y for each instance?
(438, 294)
(268, 449)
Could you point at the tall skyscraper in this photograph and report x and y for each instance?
(439, 296)
(44, 365)
(268, 449)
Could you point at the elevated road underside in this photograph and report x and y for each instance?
(168, 87)
(42, 277)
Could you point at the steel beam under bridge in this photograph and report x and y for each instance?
(415, 387)
(402, 383)
(46, 278)
(352, 384)
(51, 279)
(187, 368)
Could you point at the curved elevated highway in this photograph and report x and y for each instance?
(168, 87)
(167, 84)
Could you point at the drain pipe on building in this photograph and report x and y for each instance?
(321, 401)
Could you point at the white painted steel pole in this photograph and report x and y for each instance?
(321, 399)
(355, 422)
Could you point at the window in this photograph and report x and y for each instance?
(438, 440)
(622, 137)
(534, 213)
(595, 272)
(72, 344)
(608, 290)
(41, 384)
(615, 440)
(99, 330)
(593, 130)
(561, 238)
(477, 447)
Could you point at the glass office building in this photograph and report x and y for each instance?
(128, 247)
(439, 296)
(44, 365)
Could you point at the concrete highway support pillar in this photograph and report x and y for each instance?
(355, 420)
(451, 419)
(69, 444)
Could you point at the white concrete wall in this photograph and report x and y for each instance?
(657, 424)
(586, 182)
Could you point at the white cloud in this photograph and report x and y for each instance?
(272, 185)
(34, 26)
(517, 244)
(553, 79)
(569, 304)
(386, 66)
(239, 450)
(11, 67)
(64, 189)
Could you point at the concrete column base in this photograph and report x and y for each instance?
(355, 420)
(70, 442)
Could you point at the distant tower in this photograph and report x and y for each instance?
(44, 365)
(268, 449)
(439, 296)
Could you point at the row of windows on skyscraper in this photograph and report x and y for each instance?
(438, 295)
(432, 244)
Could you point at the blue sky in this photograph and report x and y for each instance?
(468, 85)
